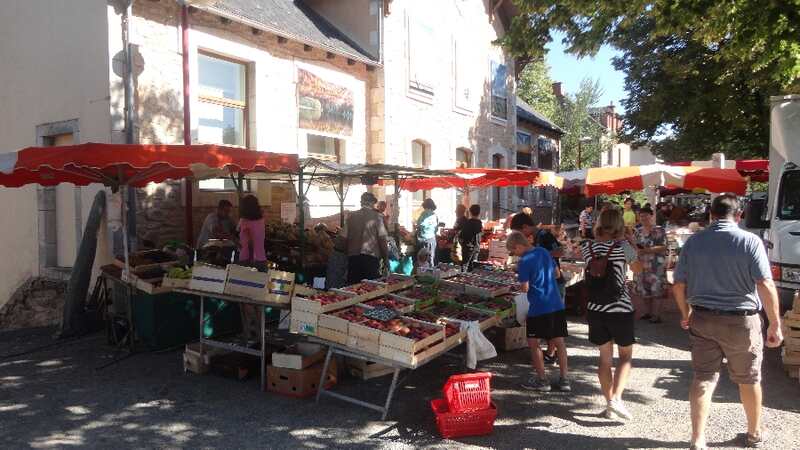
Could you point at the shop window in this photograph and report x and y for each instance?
(221, 107)
(499, 92)
(524, 160)
(325, 147)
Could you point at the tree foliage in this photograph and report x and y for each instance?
(572, 113)
(584, 134)
(535, 87)
(699, 73)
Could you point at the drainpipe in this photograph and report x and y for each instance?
(188, 184)
(130, 137)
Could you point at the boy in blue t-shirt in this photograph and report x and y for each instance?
(547, 319)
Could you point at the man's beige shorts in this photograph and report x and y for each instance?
(736, 338)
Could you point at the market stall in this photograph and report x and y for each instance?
(401, 322)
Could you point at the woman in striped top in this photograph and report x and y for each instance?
(610, 311)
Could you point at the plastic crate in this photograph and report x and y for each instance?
(472, 423)
(468, 392)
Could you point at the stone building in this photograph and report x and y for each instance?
(408, 82)
(538, 147)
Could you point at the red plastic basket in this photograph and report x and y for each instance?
(468, 392)
(472, 423)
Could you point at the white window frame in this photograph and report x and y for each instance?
(211, 184)
(420, 94)
(497, 119)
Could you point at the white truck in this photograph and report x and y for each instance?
(782, 233)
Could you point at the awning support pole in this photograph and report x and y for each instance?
(341, 201)
(396, 209)
(301, 219)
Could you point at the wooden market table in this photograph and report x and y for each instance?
(230, 346)
(339, 349)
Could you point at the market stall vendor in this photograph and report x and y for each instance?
(366, 238)
(218, 225)
(252, 251)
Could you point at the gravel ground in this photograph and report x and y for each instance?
(55, 398)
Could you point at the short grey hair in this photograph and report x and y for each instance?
(516, 238)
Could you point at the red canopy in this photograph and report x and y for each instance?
(756, 169)
(475, 177)
(134, 165)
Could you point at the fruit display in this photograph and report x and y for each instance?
(451, 330)
(352, 314)
(389, 302)
(498, 276)
(382, 313)
(423, 316)
(420, 293)
(467, 299)
(444, 310)
(327, 298)
(471, 315)
(497, 304)
(180, 273)
(477, 282)
(362, 288)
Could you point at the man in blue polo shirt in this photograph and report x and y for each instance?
(546, 317)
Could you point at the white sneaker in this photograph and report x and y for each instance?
(618, 408)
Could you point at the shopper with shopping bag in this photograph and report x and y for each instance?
(546, 319)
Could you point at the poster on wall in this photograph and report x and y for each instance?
(323, 106)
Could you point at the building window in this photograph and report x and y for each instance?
(463, 77)
(546, 151)
(325, 147)
(463, 157)
(222, 96)
(421, 158)
(523, 140)
(222, 108)
(524, 160)
(499, 94)
(422, 64)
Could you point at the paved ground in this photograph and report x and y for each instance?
(56, 398)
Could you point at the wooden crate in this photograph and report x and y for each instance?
(790, 358)
(364, 332)
(305, 291)
(792, 343)
(367, 370)
(452, 341)
(208, 278)
(304, 322)
(152, 287)
(412, 359)
(409, 345)
(332, 335)
(246, 282)
(175, 283)
(308, 304)
(280, 286)
(379, 292)
(408, 304)
(333, 321)
(399, 282)
(364, 345)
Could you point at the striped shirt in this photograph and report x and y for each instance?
(618, 260)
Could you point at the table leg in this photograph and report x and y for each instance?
(391, 393)
(200, 335)
(131, 320)
(321, 385)
(263, 349)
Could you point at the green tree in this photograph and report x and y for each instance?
(698, 73)
(583, 133)
(535, 87)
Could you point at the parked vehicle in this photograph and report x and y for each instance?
(782, 219)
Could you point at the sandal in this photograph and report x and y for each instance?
(751, 441)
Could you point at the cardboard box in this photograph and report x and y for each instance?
(194, 362)
(208, 278)
(299, 383)
(303, 322)
(246, 282)
(508, 339)
(240, 366)
(298, 356)
(280, 286)
(367, 370)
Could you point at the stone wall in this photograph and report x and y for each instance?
(272, 102)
